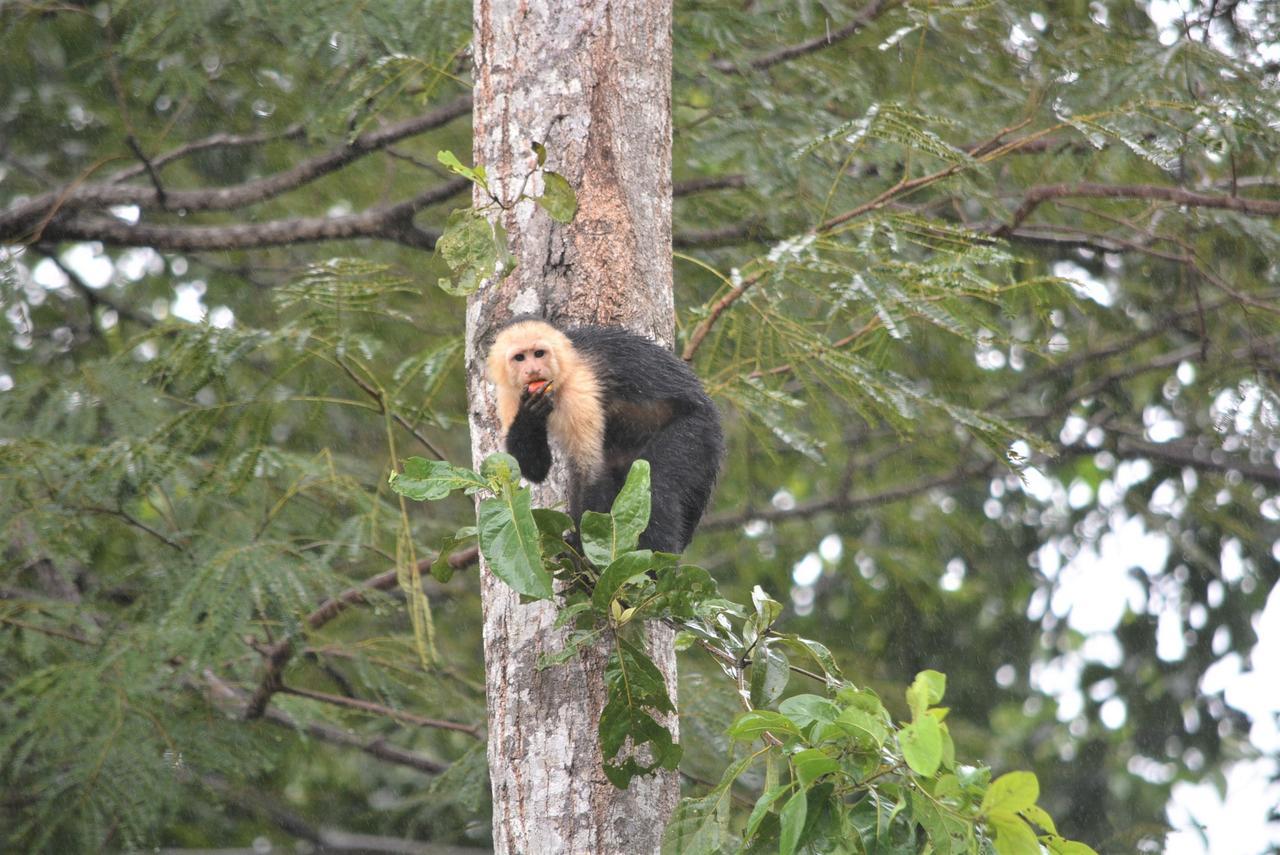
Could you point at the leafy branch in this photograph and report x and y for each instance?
(852, 772)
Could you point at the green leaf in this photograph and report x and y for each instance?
(752, 725)
(814, 650)
(558, 197)
(812, 764)
(628, 566)
(1040, 817)
(949, 834)
(701, 825)
(607, 536)
(769, 674)
(925, 691)
(1012, 835)
(574, 643)
(680, 590)
(500, 470)
(636, 691)
(767, 609)
(867, 730)
(761, 810)
(441, 569)
(804, 710)
(451, 163)
(921, 743)
(552, 525)
(431, 480)
(1062, 846)
(473, 249)
(1011, 792)
(791, 819)
(509, 542)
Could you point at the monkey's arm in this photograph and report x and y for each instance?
(527, 436)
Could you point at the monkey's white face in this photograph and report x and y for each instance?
(530, 360)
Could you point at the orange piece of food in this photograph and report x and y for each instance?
(538, 385)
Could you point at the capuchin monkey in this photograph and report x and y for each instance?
(609, 397)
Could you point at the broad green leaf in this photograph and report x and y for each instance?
(1062, 846)
(636, 691)
(769, 674)
(701, 825)
(925, 691)
(1012, 835)
(921, 743)
(867, 730)
(474, 249)
(558, 197)
(509, 542)
(804, 710)
(1040, 817)
(632, 505)
(814, 650)
(451, 162)
(441, 569)
(812, 764)
(430, 480)
(791, 819)
(626, 567)
(752, 725)
(1012, 792)
(679, 589)
(767, 608)
(607, 536)
(947, 832)
(761, 809)
(500, 469)
(574, 643)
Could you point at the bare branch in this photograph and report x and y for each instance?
(294, 131)
(378, 747)
(384, 711)
(389, 222)
(1037, 195)
(278, 655)
(701, 185)
(845, 503)
(730, 235)
(860, 20)
(25, 220)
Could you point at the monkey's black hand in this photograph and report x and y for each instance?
(527, 436)
(538, 404)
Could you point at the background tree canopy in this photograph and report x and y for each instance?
(986, 293)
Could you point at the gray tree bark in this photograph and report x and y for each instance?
(591, 81)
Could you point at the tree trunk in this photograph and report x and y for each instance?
(591, 81)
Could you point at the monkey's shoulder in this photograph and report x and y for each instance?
(633, 368)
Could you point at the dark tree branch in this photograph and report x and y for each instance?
(701, 185)
(277, 656)
(26, 221)
(1037, 195)
(226, 695)
(384, 711)
(860, 20)
(294, 131)
(844, 503)
(389, 222)
(90, 296)
(259, 804)
(747, 231)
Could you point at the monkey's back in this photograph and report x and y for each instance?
(655, 408)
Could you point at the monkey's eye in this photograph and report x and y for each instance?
(539, 353)
(519, 357)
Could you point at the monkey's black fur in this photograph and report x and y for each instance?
(655, 409)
